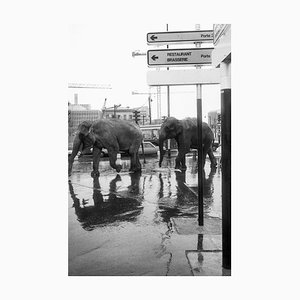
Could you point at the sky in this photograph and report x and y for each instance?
(102, 54)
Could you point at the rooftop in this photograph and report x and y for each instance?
(76, 107)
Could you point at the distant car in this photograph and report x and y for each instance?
(154, 141)
(149, 149)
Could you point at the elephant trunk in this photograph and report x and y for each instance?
(76, 147)
(161, 149)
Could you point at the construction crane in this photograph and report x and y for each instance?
(103, 108)
(89, 86)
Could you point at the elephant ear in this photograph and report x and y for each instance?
(179, 127)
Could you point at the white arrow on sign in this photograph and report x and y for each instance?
(180, 37)
(176, 57)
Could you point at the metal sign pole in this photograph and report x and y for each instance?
(168, 100)
(200, 156)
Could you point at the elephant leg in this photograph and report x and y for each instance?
(135, 164)
(180, 160)
(213, 161)
(131, 161)
(77, 144)
(138, 163)
(96, 160)
(112, 153)
(183, 165)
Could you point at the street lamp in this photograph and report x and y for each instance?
(140, 93)
(138, 53)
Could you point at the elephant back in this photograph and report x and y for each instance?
(125, 132)
(190, 126)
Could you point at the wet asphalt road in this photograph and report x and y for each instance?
(120, 224)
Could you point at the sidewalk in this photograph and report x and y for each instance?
(206, 260)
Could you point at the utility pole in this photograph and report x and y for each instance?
(158, 97)
(149, 101)
(200, 147)
(115, 110)
(168, 100)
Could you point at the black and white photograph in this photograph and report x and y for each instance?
(149, 149)
(149, 156)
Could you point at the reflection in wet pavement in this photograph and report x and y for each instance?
(120, 224)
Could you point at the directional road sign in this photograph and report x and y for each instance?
(169, 37)
(177, 57)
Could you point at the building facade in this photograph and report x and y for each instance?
(80, 113)
(127, 113)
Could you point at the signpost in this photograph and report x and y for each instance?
(198, 56)
(191, 57)
(177, 57)
(176, 37)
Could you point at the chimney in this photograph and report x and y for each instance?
(76, 99)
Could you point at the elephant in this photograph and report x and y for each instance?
(113, 134)
(185, 133)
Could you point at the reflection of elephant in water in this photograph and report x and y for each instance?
(185, 198)
(115, 208)
(185, 133)
(208, 188)
(113, 134)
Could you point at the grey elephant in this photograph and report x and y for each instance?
(113, 134)
(185, 133)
